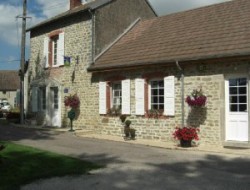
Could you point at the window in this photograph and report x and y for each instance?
(153, 94)
(54, 50)
(238, 94)
(116, 95)
(42, 105)
(156, 100)
(55, 98)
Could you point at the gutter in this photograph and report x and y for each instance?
(93, 34)
(182, 94)
(101, 68)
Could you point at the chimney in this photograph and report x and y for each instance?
(74, 4)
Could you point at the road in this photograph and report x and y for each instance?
(130, 166)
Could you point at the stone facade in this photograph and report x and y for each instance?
(210, 119)
(79, 40)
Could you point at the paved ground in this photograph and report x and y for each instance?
(133, 166)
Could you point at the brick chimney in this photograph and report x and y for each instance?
(74, 3)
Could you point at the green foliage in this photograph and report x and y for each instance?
(21, 165)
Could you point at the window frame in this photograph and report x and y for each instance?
(112, 84)
(158, 95)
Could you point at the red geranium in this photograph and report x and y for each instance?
(186, 133)
(72, 101)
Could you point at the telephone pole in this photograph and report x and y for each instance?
(22, 62)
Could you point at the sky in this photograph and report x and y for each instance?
(39, 10)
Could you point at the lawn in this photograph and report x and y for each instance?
(20, 165)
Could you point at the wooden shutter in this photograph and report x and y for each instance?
(34, 99)
(139, 97)
(102, 98)
(126, 96)
(46, 52)
(60, 50)
(169, 96)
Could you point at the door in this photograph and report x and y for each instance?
(237, 109)
(55, 113)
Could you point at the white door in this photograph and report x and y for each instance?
(55, 114)
(237, 109)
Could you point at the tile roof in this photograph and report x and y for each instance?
(9, 80)
(214, 31)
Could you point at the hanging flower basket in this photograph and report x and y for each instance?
(197, 98)
(72, 101)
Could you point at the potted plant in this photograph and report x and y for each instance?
(196, 99)
(185, 135)
(129, 132)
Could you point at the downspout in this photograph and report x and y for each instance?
(182, 94)
(93, 35)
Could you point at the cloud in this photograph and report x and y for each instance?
(52, 8)
(10, 26)
(164, 7)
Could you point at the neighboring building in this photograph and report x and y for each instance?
(209, 46)
(77, 36)
(9, 86)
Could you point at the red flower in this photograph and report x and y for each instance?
(196, 99)
(72, 101)
(186, 133)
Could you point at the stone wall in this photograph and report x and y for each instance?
(114, 18)
(210, 119)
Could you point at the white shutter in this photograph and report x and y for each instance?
(60, 50)
(126, 96)
(102, 98)
(46, 52)
(139, 97)
(34, 99)
(169, 96)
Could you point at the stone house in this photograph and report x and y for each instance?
(9, 86)
(160, 61)
(76, 36)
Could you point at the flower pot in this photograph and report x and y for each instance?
(185, 143)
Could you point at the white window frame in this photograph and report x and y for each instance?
(54, 55)
(113, 92)
(149, 93)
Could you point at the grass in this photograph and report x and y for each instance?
(21, 165)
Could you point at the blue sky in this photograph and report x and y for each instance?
(39, 10)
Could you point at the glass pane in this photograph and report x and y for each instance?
(154, 92)
(161, 83)
(243, 107)
(161, 106)
(154, 99)
(233, 99)
(154, 106)
(242, 82)
(161, 99)
(242, 90)
(233, 107)
(161, 92)
(116, 93)
(154, 84)
(242, 99)
(232, 82)
(233, 90)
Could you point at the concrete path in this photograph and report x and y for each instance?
(134, 166)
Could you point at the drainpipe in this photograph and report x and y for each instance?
(93, 35)
(182, 94)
